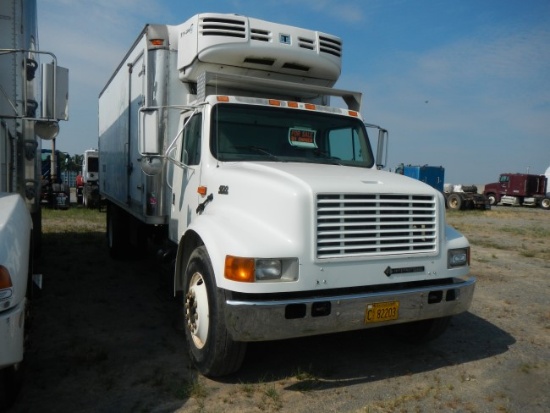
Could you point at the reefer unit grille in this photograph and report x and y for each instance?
(352, 225)
(225, 27)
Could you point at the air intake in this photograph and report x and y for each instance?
(260, 35)
(330, 46)
(306, 43)
(214, 26)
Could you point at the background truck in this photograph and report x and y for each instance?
(456, 196)
(54, 193)
(22, 118)
(217, 143)
(519, 189)
(87, 188)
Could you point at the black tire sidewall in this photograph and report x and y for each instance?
(199, 261)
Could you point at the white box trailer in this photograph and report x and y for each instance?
(217, 142)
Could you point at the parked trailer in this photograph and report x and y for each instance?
(519, 190)
(456, 196)
(217, 141)
(22, 118)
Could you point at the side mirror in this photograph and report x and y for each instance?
(55, 92)
(382, 148)
(148, 138)
(149, 132)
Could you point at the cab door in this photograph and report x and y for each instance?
(186, 175)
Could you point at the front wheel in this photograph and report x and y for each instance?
(212, 350)
(11, 379)
(492, 199)
(545, 203)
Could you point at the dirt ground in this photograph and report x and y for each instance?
(104, 338)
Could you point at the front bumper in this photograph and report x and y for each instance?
(12, 335)
(263, 320)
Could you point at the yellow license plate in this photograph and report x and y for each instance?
(378, 312)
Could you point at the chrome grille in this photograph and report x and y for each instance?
(350, 225)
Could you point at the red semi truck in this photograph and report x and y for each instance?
(519, 189)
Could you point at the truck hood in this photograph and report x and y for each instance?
(269, 209)
(324, 178)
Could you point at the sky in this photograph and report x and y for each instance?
(459, 84)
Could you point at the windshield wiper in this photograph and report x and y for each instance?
(326, 157)
(260, 150)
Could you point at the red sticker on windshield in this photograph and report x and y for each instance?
(302, 138)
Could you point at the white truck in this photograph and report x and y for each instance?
(87, 189)
(216, 139)
(22, 118)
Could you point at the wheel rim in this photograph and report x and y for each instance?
(196, 310)
(453, 203)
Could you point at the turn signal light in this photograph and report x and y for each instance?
(5, 283)
(239, 269)
(5, 279)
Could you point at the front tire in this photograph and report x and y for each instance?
(11, 380)
(492, 199)
(212, 350)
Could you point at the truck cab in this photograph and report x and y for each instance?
(518, 190)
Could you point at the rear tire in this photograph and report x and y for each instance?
(454, 201)
(117, 232)
(420, 331)
(212, 350)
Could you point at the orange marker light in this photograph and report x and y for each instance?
(274, 102)
(292, 104)
(156, 42)
(239, 269)
(223, 98)
(310, 106)
(202, 190)
(353, 113)
(5, 279)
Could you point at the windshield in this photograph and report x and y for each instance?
(246, 132)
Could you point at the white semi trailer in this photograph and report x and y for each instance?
(30, 105)
(216, 139)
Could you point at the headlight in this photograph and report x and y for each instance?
(458, 258)
(260, 269)
(268, 269)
